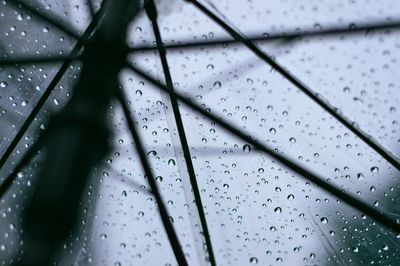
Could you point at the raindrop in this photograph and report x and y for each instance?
(272, 131)
(346, 90)
(246, 148)
(374, 169)
(292, 140)
(324, 220)
(152, 153)
(278, 210)
(253, 260)
(217, 84)
(317, 26)
(3, 84)
(355, 249)
(171, 162)
(290, 197)
(210, 66)
(24, 103)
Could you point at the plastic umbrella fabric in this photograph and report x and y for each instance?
(273, 141)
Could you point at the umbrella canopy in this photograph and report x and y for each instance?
(290, 176)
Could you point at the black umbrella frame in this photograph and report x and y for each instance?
(96, 41)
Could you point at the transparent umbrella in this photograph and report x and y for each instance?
(273, 141)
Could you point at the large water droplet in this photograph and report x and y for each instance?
(253, 260)
(3, 84)
(374, 169)
(246, 148)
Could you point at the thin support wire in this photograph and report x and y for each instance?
(300, 85)
(152, 14)
(51, 59)
(353, 201)
(47, 17)
(284, 37)
(169, 228)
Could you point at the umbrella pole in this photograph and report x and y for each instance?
(76, 140)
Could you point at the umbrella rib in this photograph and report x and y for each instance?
(169, 228)
(28, 156)
(333, 111)
(353, 201)
(288, 36)
(48, 18)
(38, 59)
(50, 89)
(152, 14)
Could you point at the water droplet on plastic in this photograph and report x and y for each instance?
(324, 220)
(3, 84)
(217, 84)
(374, 169)
(253, 260)
(246, 148)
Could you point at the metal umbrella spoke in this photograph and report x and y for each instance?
(47, 17)
(284, 36)
(50, 59)
(304, 88)
(152, 14)
(169, 228)
(353, 201)
(75, 51)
